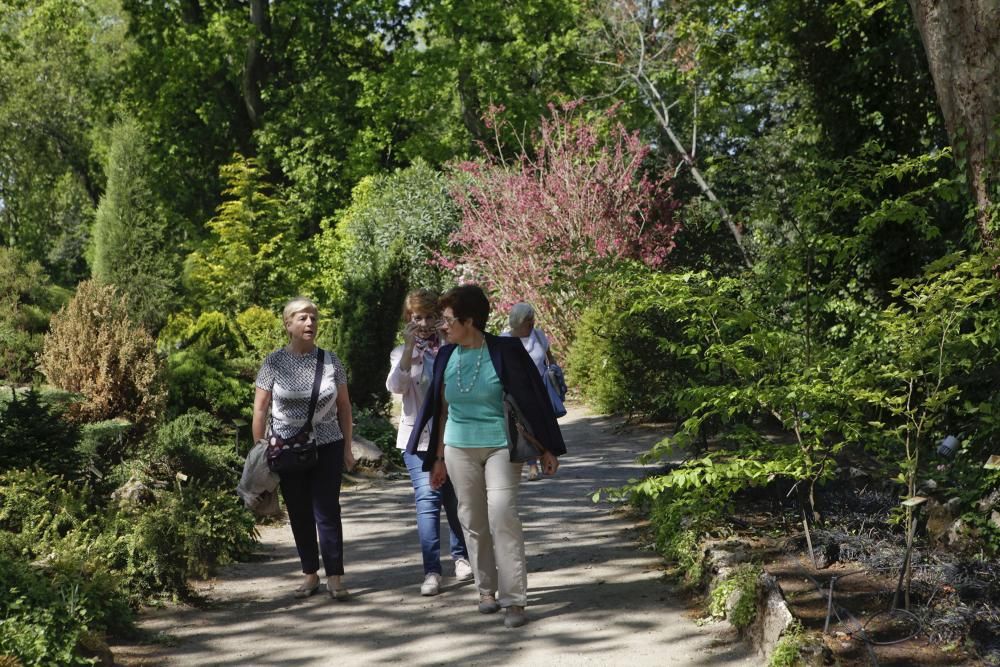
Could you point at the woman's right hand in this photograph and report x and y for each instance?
(410, 334)
(439, 474)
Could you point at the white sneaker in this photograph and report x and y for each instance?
(431, 585)
(463, 570)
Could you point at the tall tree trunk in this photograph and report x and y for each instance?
(962, 41)
(255, 69)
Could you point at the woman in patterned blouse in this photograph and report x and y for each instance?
(312, 498)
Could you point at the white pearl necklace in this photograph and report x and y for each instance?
(479, 361)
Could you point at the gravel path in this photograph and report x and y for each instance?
(595, 597)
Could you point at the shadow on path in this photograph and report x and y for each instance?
(595, 598)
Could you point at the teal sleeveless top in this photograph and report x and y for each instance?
(475, 405)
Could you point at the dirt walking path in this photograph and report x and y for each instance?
(595, 597)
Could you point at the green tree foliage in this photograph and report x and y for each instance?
(388, 239)
(95, 349)
(459, 59)
(182, 84)
(342, 94)
(132, 245)
(252, 257)
(59, 68)
(409, 211)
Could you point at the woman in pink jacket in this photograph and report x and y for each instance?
(409, 376)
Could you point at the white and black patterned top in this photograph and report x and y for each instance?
(289, 377)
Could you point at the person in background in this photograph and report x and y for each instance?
(312, 498)
(468, 443)
(410, 366)
(521, 320)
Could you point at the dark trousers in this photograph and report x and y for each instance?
(312, 499)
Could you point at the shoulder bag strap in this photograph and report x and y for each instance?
(313, 398)
(317, 380)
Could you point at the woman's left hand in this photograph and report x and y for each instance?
(348, 457)
(549, 463)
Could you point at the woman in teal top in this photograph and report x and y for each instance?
(466, 397)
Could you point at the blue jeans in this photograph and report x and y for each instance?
(429, 503)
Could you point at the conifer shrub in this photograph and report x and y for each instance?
(101, 443)
(263, 330)
(253, 255)
(212, 361)
(34, 434)
(94, 349)
(27, 300)
(188, 532)
(203, 379)
(195, 444)
(368, 325)
(132, 249)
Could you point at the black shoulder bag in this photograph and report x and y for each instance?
(297, 453)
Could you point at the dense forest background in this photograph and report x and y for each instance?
(748, 217)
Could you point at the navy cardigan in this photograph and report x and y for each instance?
(519, 377)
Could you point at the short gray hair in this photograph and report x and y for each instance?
(297, 305)
(519, 314)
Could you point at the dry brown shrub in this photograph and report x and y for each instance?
(95, 350)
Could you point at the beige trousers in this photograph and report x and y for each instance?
(486, 483)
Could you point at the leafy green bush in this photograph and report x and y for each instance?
(623, 358)
(34, 434)
(787, 652)
(56, 585)
(39, 626)
(680, 520)
(409, 211)
(745, 579)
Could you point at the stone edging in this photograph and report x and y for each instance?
(773, 616)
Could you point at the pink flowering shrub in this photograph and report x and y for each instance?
(539, 225)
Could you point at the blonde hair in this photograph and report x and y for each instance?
(297, 305)
(420, 300)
